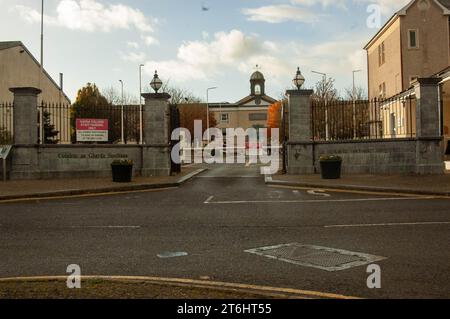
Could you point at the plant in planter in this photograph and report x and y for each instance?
(330, 166)
(122, 171)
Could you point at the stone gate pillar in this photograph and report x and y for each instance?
(156, 126)
(429, 151)
(300, 150)
(25, 115)
(24, 159)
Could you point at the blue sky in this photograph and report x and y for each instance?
(102, 41)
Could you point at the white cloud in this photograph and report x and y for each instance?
(387, 7)
(323, 3)
(279, 14)
(234, 51)
(90, 15)
(133, 45)
(149, 40)
(135, 57)
(206, 59)
(302, 10)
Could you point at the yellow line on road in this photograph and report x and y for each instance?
(85, 195)
(194, 283)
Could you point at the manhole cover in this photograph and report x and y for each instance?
(324, 258)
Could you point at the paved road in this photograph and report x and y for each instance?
(220, 214)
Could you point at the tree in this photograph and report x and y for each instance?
(114, 97)
(91, 104)
(359, 94)
(325, 91)
(189, 113)
(274, 115)
(179, 95)
(50, 133)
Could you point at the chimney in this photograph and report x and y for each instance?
(61, 81)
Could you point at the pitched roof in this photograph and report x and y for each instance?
(12, 44)
(9, 44)
(253, 97)
(443, 4)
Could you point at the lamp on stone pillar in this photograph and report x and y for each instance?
(156, 83)
(300, 148)
(299, 79)
(156, 157)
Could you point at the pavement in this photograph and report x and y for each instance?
(210, 227)
(438, 185)
(12, 190)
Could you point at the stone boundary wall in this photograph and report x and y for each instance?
(396, 156)
(420, 155)
(30, 160)
(72, 161)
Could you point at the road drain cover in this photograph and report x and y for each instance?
(172, 254)
(324, 258)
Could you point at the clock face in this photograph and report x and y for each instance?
(424, 5)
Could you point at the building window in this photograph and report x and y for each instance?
(382, 88)
(258, 89)
(413, 39)
(381, 54)
(224, 118)
(257, 117)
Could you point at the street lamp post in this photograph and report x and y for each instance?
(327, 130)
(354, 103)
(140, 105)
(41, 73)
(207, 108)
(42, 38)
(122, 132)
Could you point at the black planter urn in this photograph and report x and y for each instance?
(122, 172)
(330, 167)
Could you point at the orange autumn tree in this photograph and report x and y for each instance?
(274, 116)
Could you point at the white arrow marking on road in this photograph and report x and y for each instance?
(275, 194)
(210, 198)
(318, 192)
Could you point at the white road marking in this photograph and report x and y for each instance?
(389, 224)
(107, 227)
(296, 192)
(229, 176)
(275, 194)
(210, 198)
(318, 192)
(315, 200)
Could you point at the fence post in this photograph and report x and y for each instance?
(156, 122)
(300, 146)
(429, 152)
(25, 115)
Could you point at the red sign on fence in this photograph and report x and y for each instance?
(92, 130)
